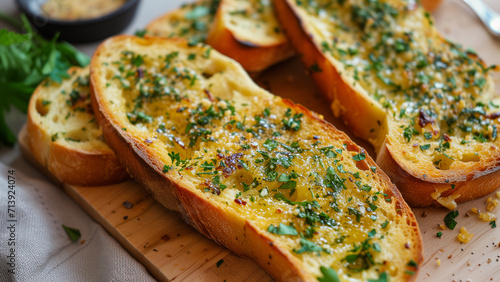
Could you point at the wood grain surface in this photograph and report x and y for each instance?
(172, 250)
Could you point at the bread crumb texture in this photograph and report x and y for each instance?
(65, 112)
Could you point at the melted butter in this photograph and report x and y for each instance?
(71, 10)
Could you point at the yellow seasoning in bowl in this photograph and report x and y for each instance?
(70, 10)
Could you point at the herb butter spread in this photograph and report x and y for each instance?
(71, 10)
(435, 93)
(262, 157)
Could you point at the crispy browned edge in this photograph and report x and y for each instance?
(70, 165)
(252, 56)
(430, 5)
(417, 192)
(209, 218)
(416, 189)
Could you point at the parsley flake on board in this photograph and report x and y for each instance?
(219, 263)
(449, 219)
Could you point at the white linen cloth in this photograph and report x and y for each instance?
(43, 250)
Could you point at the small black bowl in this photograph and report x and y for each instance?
(79, 31)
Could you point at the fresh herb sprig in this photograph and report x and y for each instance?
(25, 61)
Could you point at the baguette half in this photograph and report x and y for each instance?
(423, 102)
(258, 174)
(246, 31)
(64, 137)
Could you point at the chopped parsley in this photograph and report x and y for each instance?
(449, 219)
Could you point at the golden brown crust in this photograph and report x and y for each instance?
(252, 55)
(430, 5)
(72, 165)
(213, 219)
(418, 193)
(368, 120)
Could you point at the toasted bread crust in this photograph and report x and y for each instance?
(248, 49)
(368, 120)
(430, 5)
(212, 218)
(421, 193)
(253, 54)
(69, 163)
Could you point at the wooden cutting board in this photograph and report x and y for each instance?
(172, 250)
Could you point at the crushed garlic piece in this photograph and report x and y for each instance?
(486, 216)
(492, 205)
(464, 235)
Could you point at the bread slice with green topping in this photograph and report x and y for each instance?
(258, 174)
(246, 31)
(423, 102)
(64, 137)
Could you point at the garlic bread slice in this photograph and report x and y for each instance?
(423, 102)
(258, 174)
(64, 137)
